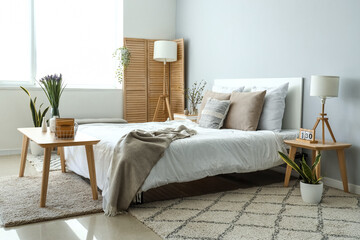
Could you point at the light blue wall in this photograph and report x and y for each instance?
(282, 38)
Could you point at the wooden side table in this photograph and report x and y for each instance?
(316, 148)
(48, 141)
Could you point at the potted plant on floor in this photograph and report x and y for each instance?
(37, 117)
(311, 188)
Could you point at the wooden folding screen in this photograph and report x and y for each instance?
(143, 79)
(177, 83)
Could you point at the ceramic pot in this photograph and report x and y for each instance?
(311, 193)
(36, 150)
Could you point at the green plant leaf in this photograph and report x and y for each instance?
(33, 112)
(292, 164)
(43, 114)
(27, 92)
(307, 171)
(317, 160)
(318, 180)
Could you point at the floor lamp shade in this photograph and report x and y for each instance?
(165, 51)
(324, 86)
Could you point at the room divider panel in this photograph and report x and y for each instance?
(143, 79)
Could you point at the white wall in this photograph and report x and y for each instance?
(76, 103)
(153, 19)
(282, 38)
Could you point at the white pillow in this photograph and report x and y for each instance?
(274, 107)
(226, 89)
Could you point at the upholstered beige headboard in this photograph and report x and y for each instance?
(293, 108)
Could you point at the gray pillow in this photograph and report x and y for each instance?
(274, 107)
(214, 113)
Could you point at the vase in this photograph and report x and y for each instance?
(55, 112)
(44, 125)
(52, 121)
(193, 109)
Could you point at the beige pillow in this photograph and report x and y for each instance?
(245, 110)
(210, 94)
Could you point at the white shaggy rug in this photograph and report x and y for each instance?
(38, 162)
(68, 195)
(267, 212)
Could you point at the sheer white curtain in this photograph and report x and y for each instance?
(15, 40)
(77, 38)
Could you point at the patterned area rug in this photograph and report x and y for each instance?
(68, 195)
(268, 212)
(38, 162)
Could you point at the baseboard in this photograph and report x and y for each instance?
(7, 152)
(339, 185)
(330, 182)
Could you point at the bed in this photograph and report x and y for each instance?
(209, 153)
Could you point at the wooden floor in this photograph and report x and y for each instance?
(214, 184)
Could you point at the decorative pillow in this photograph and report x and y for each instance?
(274, 107)
(214, 113)
(245, 110)
(208, 94)
(226, 89)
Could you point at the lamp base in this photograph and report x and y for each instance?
(167, 103)
(324, 121)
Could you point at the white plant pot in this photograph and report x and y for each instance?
(36, 150)
(311, 193)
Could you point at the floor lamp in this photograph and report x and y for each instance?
(164, 51)
(324, 87)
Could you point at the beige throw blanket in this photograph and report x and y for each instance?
(134, 156)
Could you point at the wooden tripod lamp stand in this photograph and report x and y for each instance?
(165, 51)
(324, 87)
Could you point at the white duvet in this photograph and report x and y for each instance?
(210, 152)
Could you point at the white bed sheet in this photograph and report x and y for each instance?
(210, 152)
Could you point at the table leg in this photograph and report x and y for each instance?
(24, 150)
(314, 153)
(288, 168)
(62, 159)
(92, 173)
(45, 177)
(342, 166)
(318, 167)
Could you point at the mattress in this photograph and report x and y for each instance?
(210, 152)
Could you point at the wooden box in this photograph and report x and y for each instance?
(65, 128)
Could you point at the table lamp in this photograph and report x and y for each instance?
(164, 51)
(324, 87)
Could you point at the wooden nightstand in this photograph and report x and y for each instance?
(181, 116)
(316, 148)
(48, 141)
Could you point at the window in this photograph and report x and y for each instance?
(74, 38)
(15, 41)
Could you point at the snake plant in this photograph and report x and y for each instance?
(37, 115)
(306, 172)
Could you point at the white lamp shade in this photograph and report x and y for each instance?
(165, 51)
(324, 86)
